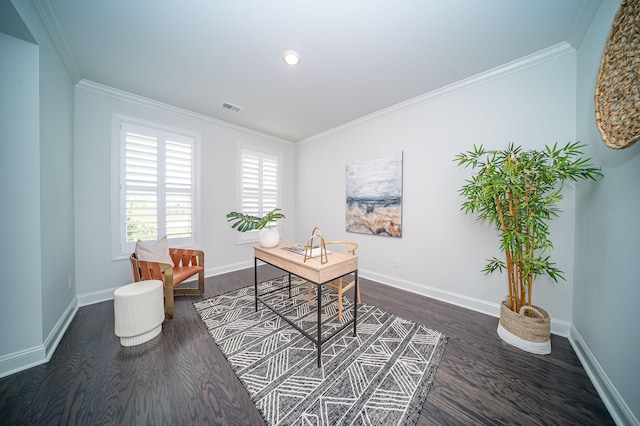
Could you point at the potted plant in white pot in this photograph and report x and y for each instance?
(269, 235)
(518, 191)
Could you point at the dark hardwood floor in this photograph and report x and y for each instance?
(181, 378)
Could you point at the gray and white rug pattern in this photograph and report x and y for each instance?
(379, 377)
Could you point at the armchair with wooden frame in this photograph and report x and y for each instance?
(188, 262)
(342, 284)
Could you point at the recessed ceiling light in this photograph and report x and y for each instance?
(291, 58)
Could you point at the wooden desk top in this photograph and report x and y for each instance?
(338, 264)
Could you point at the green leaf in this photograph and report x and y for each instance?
(244, 222)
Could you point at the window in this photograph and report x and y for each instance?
(156, 187)
(259, 184)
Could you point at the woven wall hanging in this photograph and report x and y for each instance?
(617, 97)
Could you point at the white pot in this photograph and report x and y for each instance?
(540, 348)
(269, 237)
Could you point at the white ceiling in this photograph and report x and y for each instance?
(358, 56)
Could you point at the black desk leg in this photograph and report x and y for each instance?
(355, 305)
(289, 285)
(255, 279)
(319, 344)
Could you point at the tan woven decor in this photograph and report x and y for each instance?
(617, 97)
(534, 328)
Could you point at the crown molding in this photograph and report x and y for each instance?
(548, 54)
(150, 103)
(51, 25)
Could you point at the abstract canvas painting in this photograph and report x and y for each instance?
(374, 195)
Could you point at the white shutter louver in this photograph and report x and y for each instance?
(259, 183)
(269, 184)
(250, 184)
(157, 186)
(141, 187)
(179, 189)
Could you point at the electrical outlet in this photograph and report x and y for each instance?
(70, 282)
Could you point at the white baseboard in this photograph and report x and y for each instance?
(560, 328)
(210, 272)
(31, 357)
(53, 339)
(618, 408)
(86, 299)
(22, 360)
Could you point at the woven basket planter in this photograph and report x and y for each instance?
(530, 333)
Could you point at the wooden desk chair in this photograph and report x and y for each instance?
(187, 264)
(340, 285)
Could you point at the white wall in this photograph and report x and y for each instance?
(607, 230)
(56, 180)
(21, 313)
(38, 178)
(442, 252)
(96, 273)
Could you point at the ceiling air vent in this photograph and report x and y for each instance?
(231, 107)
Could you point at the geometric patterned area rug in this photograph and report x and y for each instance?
(379, 377)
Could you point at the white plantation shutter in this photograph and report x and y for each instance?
(157, 186)
(250, 183)
(259, 182)
(141, 184)
(179, 187)
(269, 184)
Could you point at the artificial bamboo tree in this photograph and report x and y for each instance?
(518, 191)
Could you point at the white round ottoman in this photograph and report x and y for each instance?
(139, 311)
